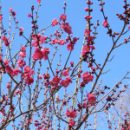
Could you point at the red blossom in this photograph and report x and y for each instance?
(21, 63)
(67, 28)
(105, 23)
(8, 85)
(84, 104)
(66, 82)
(38, 55)
(54, 41)
(38, 39)
(90, 39)
(58, 41)
(70, 46)
(39, 1)
(45, 52)
(5, 40)
(16, 71)
(46, 76)
(71, 113)
(1, 17)
(6, 62)
(18, 92)
(28, 71)
(63, 17)
(23, 48)
(89, 2)
(88, 17)
(61, 42)
(87, 9)
(54, 22)
(55, 81)
(22, 52)
(9, 70)
(87, 77)
(42, 39)
(75, 39)
(29, 80)
(0, 58)
(85, 50)
(27, 75)
(65, 72)
(87, 32)
(35, 41)
(71, 122)
(91, 99)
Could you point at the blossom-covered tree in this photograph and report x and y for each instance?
(45, 84)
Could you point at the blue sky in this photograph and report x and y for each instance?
(75, 9)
